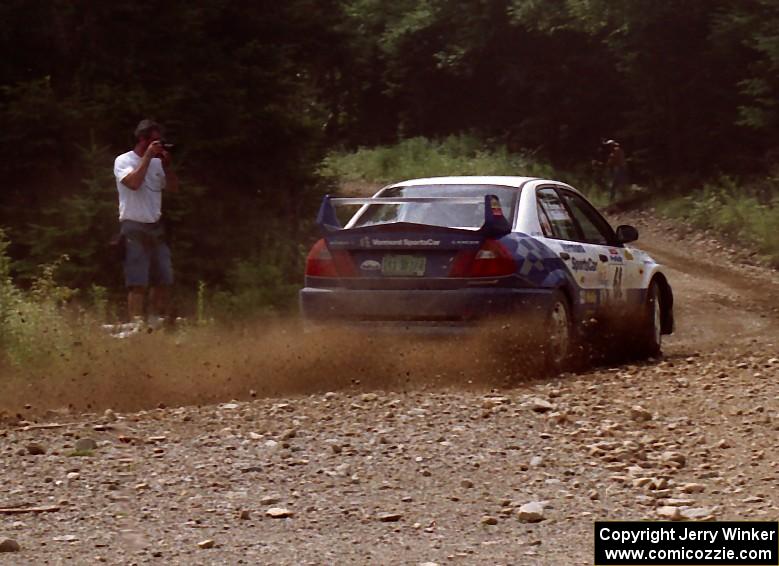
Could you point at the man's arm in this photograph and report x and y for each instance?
(134, 179)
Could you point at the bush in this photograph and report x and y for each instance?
(33, 326)
(455, 155)
(256, 287)
(735, 210)
(421, 157)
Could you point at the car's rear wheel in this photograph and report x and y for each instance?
(651, 336)
(559, 348)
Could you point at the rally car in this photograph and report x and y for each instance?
(450, 252)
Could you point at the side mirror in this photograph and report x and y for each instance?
(626, 234)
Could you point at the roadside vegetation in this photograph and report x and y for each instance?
(452, 155)
(422, 157)
(746, 213)
(295, 101)
(254, 112)
(33, 325)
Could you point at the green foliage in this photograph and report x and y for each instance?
(99, 302)
(755, 26)
(420, 157)
(245, 109)
(33, 326)
(80, 223)
(254, 287)
(200, 310)
(685, 86)
(735, 211)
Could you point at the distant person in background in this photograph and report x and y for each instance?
(616, 168)
(141, 175)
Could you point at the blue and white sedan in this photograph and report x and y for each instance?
(451, 252)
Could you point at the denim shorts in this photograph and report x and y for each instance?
(147, 257)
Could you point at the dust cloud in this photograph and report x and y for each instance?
(203, 365)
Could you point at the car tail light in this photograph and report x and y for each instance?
(321, 262)
(491, 260)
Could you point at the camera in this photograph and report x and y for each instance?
(166, 146)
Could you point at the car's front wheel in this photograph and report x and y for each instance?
(560, 339)
(651, 337)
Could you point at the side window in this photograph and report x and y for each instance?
(595, 229)
(543, 219)
(560, 222)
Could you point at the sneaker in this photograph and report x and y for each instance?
(128, 329)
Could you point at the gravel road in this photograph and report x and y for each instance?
(428, 472)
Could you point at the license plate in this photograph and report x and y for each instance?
(403, 265)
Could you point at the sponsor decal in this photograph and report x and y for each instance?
(584, 264)
(405, 242)
(370, 265)
(573, 248)
(365, 242)
(614, 255)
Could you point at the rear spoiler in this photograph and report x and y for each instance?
(495, 224)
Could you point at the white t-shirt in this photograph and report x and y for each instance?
(145, 204)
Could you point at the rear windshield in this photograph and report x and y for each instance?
(436, 214)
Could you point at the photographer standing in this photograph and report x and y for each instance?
(141, 176)
(616, 166)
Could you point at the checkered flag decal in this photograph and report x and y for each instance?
(532, 259)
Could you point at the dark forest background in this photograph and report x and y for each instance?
(255, 93)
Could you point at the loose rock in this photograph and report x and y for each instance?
(640, 414)
(9, 545)
(85, 445)
(36, 449)
(540, 405)
(279, 513)
(532, 512)
(669, 513)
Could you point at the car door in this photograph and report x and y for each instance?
(562, 234)
(599, 235)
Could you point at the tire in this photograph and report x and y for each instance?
(651, 338)
(560, 336)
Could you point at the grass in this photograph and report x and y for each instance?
(421, 157)
(743, 213)
(32, 325)
(454, 155)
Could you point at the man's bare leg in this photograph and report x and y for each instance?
(159, 299)
(135, 298)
